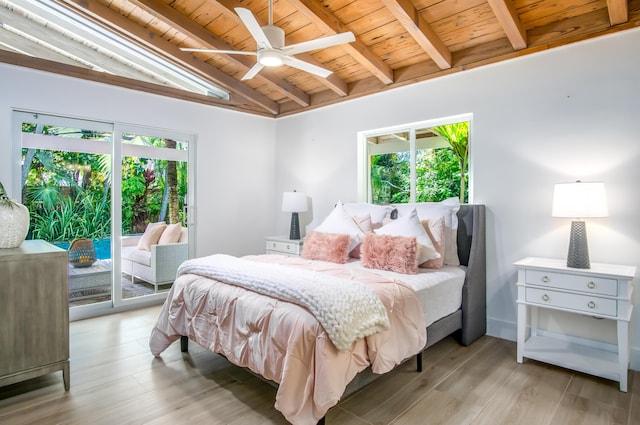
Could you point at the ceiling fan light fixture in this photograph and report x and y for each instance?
(270, 59)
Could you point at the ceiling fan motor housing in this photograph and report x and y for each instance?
(275, 35)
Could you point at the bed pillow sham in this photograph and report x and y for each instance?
(331, 247)
(449, 210)
(338, 221)
(376, 212)
(393, 253)
(436, 229)
(364, 223)
(409, 226)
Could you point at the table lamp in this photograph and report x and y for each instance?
(294, 202)
(579, 200)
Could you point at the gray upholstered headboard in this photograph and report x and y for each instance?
(472, 253)
(468, 323)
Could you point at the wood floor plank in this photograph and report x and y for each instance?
(465, 391)
(530, 386)
(116, 380)
(397, 391)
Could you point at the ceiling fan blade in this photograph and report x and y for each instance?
(319, 43)
(306, 66)
(226, 52)
(254, 28)
(253, 71)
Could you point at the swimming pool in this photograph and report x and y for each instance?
(102, 246)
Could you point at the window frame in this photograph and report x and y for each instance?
(364, 159)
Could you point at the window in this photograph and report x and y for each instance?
(420, 162)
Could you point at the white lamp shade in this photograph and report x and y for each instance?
(294, 202)
(580, 200)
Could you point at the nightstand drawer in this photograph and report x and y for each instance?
(589, 284)
(563, 300)
(284, 247)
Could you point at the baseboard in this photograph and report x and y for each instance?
(502, 329)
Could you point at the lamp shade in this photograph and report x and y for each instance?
(580, 200)
(294, 202)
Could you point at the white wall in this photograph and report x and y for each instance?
(235, 151)
(556, 116)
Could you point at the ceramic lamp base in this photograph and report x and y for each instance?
(578, 256)
(294, 233)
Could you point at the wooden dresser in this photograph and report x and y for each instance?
(34, 312)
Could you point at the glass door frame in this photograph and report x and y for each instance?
(117, 303)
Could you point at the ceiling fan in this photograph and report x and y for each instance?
(271, 50)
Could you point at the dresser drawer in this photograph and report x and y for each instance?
(283, 247)
(584, 303)
(589, 284)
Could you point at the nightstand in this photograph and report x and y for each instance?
(603, 291)
(283, 245)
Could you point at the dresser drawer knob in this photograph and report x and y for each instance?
(545, 297)
(274, 244)
(288, 247)
(591, 285)
(545, 279)
(591, 305)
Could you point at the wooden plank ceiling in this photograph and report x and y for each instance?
(397, 42)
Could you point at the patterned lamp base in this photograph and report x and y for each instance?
(294, 232)
(578, 257)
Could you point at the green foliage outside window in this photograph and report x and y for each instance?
(441, 173)
(68, 194)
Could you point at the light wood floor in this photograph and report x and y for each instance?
(115, 380)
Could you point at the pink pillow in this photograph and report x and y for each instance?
(171, 234)
(332, 247)
(435, 228)
(394, 253)
(151, 235)
(364, 223)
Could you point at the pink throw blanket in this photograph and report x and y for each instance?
(283, 342)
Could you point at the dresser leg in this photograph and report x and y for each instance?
(66, 376)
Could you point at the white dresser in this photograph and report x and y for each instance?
(283, 245)
(603, 291)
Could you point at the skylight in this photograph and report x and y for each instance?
(41, 22)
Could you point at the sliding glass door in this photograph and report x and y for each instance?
(68, 171)
(154, 192)
(65, 179)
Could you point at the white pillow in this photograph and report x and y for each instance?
(449, 210)
(377, 212)
(338, 221)
(409, 225)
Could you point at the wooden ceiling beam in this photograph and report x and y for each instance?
(107, 18)
(418, 28)
(508, 17)
(332, 82)
(177, 20)
(618, 11)
(326, 21)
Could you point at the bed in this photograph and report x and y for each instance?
(297, 347)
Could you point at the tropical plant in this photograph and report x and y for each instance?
(457, 134)
(69, 193)
(84, 216)
(441, 173)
